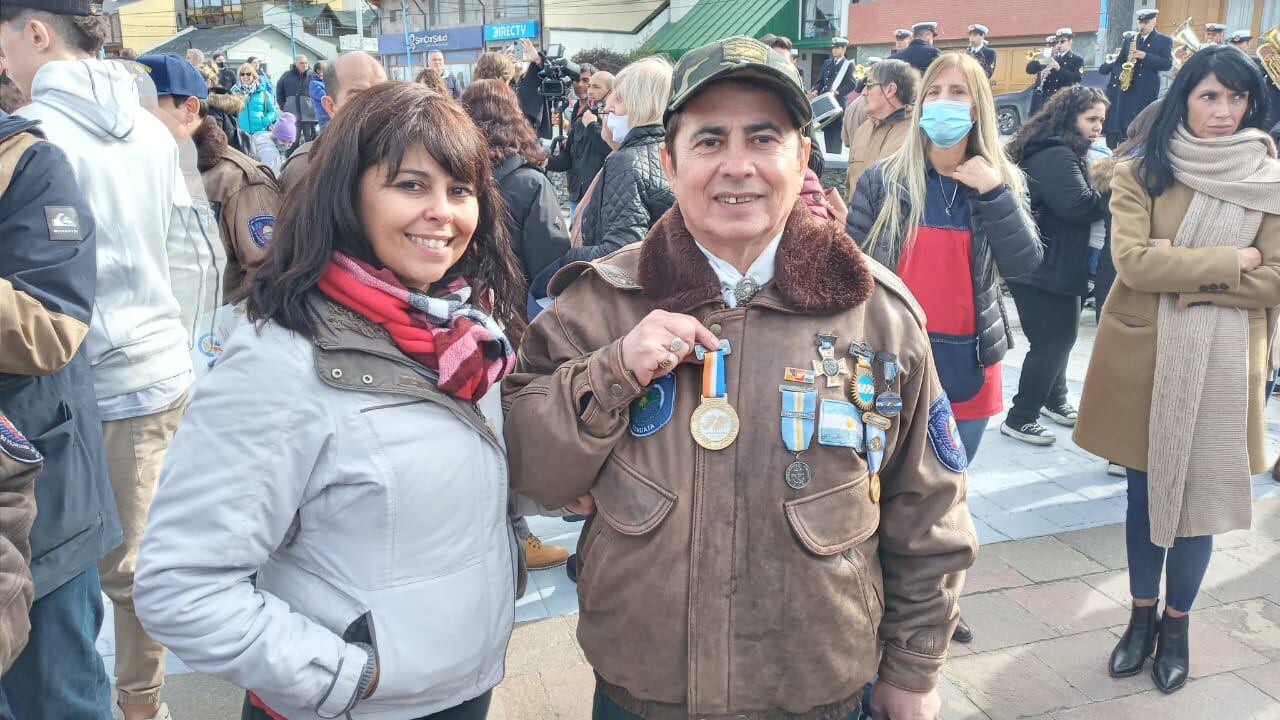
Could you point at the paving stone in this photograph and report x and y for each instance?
(1069, 606)
(1255, 623)
(1023, 525)
(570, 691)
(1064, 516)
(1012, 683)
(987, 535)
(1222, 697)
(989, 572)
(1104, 545)
(521, 698)
(1229, 579)
(1032, 496)
(999, 622)
(955, 704)
(1105, 511)
(544, 645)
(1045, 558)
(194, 696)
(1264, 677)
(1264, 557)
(1082, 660)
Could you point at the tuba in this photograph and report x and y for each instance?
(1269, 53)
(859, 72)
(1126, 70)
(1185, 44)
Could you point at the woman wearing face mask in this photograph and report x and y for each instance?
(955, 218)
(347, 448)
(1051, 148)
(1175, 388)
(631, 192)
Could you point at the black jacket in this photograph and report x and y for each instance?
(48, 278)
(1145, 86)
(632, 194)
(827, 78)
(536, 225)
(536, 109)
(293, 95)
(985, 55)
(1004, 241)
(582, 155)
(1064, 205)
(919, 54)
(1070, 72)
(227, 78)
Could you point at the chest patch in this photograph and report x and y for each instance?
(652, 411)
(944, 435)
(14, 444)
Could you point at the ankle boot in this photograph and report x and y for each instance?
(1136, 644)
(1173, 662)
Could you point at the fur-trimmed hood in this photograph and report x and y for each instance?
(210, 142)
(1101, 172)
(819, 269)
(226, 102)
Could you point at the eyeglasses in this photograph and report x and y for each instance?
(246, 74)
(867, 86)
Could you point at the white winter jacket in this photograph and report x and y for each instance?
(126, 164)
(337, 471)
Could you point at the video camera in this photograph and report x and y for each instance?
(558, 74)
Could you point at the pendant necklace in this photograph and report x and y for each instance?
(954, 190)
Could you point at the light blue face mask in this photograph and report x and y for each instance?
(946, 122)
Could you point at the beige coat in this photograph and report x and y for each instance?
(1116, 405)
(875, 140)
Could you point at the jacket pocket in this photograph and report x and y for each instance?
(835, 520)
(312, 596)
(1130, 320)
(630, 504)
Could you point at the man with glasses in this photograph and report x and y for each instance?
(889, 92)
(1062, 70)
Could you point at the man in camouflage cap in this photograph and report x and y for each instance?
(747, 409)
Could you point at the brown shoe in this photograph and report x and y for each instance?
(543, 557)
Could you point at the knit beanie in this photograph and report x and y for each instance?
(286, 128)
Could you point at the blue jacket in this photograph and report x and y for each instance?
(259, 112)
(919, 54)
(48, 272)
(316, 90)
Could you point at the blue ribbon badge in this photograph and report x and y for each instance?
(799, 409)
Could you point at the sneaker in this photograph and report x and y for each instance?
(1116, 470)
(543, 557)
(1032, 433)
(1064, 414)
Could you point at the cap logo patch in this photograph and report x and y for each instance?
(740, 50)
(63, 222)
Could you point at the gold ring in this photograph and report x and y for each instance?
(667, 362)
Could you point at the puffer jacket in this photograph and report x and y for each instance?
(1004, 242)
(259, 111)
(373, 508)
(538, 232)
(1064, 205)
(631, 195)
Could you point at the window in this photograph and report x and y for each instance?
(394, 17)
(821, 19)
(324, 27)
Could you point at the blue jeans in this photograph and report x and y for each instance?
(971, 435)
(60, 676)
(1185, 562)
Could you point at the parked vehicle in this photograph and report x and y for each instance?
(1012, 108)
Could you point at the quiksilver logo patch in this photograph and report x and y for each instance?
(63, 222)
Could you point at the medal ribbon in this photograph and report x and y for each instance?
(799, 407)
(713, 384)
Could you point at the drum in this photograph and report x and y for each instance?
(826, 109)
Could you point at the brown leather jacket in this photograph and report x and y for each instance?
(707, 585)
(20, 462)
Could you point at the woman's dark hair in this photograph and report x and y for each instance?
(1233, 69)
(321, 214)
(1058, 119)
(492, 104)
(432, 79)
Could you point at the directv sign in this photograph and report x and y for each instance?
(457, 38)
(506, 32)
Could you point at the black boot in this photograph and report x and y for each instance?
(962, 634)
(1136, 644)
(1173, 663)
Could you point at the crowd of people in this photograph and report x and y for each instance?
(285, 365)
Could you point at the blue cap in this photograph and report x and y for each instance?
(173, 75)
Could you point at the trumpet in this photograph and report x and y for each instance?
(1269, 53)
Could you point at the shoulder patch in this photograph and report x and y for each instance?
(63, 222)
(14, 444)
(944, 435)
(261, 228)
(891, 282)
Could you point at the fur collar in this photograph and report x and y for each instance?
(818, 270)
(210, 142)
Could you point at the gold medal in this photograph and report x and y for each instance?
(875, 488)
(714, 424)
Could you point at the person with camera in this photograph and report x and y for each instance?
(535, 103)
(582, 152)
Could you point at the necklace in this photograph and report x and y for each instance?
(950, 203)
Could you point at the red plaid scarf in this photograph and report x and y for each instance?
(458, 341)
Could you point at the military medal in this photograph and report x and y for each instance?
(799, 406)
(889, 367)
(714, 424)
(889, 404)
(875, 459)
(827, 364)
(863, 388)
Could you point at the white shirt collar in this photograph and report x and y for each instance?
(761, 271)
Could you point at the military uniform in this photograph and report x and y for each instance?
(1145, 85)
(919, 54)
(1070, 72)
(777, 524)
(986, 55)
(835, 70)
(245, 199)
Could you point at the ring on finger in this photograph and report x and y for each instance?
(667, 362)
(676, 345)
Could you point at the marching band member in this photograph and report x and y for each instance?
(920, 52)
(1151, 53)
(980, 50)
(1063, 69)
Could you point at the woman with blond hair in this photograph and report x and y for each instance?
(631, 192)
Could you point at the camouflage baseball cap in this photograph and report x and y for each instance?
(738, 57)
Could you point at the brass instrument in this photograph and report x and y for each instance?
(1126, 70)
(1185, 44)
(1110, 58)
(1031, 54)
(1046, 57)
(1269, 53)
(859, 72)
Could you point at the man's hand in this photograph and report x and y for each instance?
(1053, 65)
(811, 94)
(890, 702)
(978, 174)
(585, 505)
(1139, 54)
(588, 117)
(835, 205)
(661, 342)
(530, 52)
